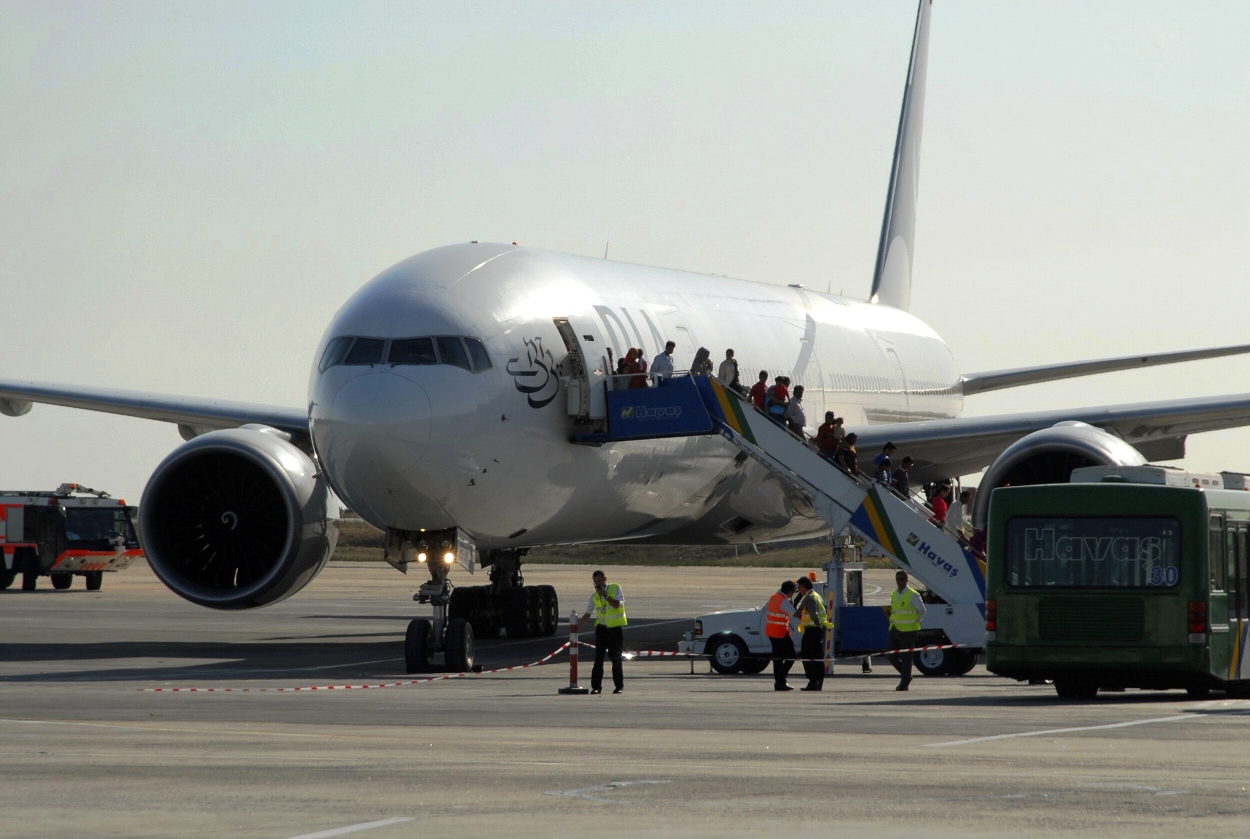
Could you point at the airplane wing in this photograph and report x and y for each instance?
(192, 415)
(943, 448)
(999, 379)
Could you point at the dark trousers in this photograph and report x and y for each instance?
(902, 661)
(783, 659)
(813, 653)
(609, 641)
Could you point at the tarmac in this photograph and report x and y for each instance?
(89, 748)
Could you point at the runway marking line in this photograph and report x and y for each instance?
(1044, 732)
(352, 828)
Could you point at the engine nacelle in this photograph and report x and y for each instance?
(1048, 457)
(237, 519)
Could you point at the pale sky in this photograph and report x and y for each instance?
(189, 191)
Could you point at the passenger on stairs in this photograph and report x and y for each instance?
(795, 418)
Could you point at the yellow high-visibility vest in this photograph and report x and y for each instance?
(609, 615)
(904, 616)
(805, 620)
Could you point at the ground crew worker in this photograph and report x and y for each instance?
(906, 610)
(607, 603)
(777, 616)
(813, 622)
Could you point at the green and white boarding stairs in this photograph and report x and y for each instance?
(899, 528)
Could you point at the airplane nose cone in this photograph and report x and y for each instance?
(377, 424)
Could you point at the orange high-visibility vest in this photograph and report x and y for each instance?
(777, 624)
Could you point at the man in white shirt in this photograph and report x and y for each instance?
(662, 364)
(956, 515)
(728, 372)
(795, 418)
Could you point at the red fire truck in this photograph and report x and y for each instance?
(74, 530)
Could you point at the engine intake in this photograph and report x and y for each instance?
(1048, 456)
(237, 519)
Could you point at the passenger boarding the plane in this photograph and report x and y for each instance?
(702, 364)
(795, 418)
(776, 399)
(728, 371)
(759, 391)
(662, 364)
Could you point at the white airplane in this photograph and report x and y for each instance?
(443, 394)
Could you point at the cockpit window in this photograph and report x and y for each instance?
(451, 351)
(335, 350)
(365, 351)
(412, 351)
(481, 361)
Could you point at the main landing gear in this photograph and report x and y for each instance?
(463, 614)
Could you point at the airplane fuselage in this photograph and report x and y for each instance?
(435, 445)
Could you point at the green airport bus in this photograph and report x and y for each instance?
(1112, 585)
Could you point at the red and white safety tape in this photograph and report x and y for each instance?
(663, 653)
(444, 677)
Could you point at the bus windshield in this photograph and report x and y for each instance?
(1079, 552)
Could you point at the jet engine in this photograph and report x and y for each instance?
(236, 519)
(1048, 456)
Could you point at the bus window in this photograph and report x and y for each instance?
(1215, 553)
(412, 351)
(451, 351)
(481, 360)
(365, 351)
(1239, 596)
(1072, 552)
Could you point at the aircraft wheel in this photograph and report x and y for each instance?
(462, 603)
(30, 579)
(550, 609)
(459, 655)
(516, 612)
(95, 579)
(418, 644)
(728, 654)
(60, 582)
(7, 576)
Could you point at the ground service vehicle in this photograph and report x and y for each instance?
(1120, 583)
(73, 530)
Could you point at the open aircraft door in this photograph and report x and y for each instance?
(586, 368)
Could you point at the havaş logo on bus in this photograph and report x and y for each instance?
(1042, 544)
(536, 376)
(644, 412)
(928, 553)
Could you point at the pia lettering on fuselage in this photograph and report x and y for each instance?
(535, 375)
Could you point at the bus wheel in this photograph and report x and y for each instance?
(1072, 689)
(60, 582)
(95, 579)
(1198, 693)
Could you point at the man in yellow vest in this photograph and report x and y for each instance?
(906, 610)
(813, 621)
(777, 616)
(607, 603)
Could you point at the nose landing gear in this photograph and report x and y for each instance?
(453, 637)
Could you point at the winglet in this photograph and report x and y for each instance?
(891, 278)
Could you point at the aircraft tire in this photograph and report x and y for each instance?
(459, 654)
(550, 609)
(462, 603)
(516, 612)
(418, 645)
(7, 576)
(61, 582)
(95, 579)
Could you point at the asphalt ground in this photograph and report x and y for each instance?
(88, 748)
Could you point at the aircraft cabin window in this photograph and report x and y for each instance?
(335, 350)
(365, 351)
(481, 361)
(412, 351)
(451, 351)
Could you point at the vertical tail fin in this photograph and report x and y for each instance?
(891, 279)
